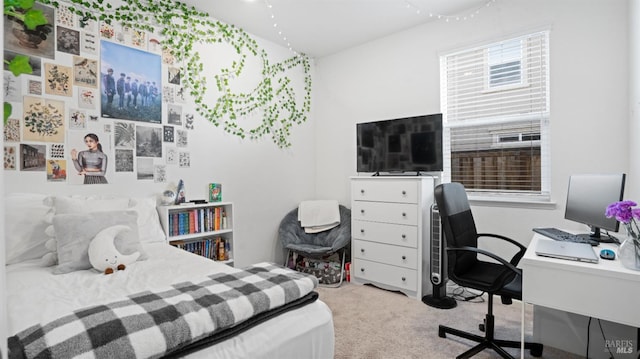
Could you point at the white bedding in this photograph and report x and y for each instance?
(36, 295)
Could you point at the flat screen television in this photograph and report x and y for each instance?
(409, 144)
(588, 197)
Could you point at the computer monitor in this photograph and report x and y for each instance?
(587, 199)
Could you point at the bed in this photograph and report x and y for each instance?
(36, 294)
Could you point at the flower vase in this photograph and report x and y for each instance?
(629, 253)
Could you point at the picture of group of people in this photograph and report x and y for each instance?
(131, 83)
(130, 94)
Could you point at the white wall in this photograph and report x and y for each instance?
(263, 181)
(399, 75)
(589, 63)
(634, 98)
(3, 304)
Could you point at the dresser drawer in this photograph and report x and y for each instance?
(394, 234)
(401, 278)
(398, 213)
(385, 253)
(400, 191)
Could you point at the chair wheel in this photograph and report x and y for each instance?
(536, 350)
(441, 333)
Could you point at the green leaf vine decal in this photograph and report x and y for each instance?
(273, 99)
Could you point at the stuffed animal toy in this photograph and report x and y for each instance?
(104, 256)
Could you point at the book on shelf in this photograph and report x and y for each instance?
(215, 192)
(216, 225)
(215, 248)
(197, 220)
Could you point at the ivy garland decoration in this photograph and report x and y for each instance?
(182, 27)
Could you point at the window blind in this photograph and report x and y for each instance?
(495, 106)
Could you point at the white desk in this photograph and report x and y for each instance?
(604, 290)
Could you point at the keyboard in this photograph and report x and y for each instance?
(560, 235)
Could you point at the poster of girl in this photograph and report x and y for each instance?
(92, 162)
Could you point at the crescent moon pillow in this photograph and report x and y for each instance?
(74, 232)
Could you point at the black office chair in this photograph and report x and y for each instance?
(465, 269)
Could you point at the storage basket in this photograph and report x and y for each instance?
(327, 272)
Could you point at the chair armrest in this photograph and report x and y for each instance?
(491, 255)
(512, 241)
(521, 249)
(501, 280)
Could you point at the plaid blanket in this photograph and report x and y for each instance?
(151, 324)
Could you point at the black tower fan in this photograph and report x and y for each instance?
(438, 266)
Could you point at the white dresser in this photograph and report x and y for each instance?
(390, 226)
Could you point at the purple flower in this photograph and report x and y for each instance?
(623, 211)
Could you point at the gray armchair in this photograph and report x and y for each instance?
(316, 245)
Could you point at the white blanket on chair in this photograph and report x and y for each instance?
(320, 215)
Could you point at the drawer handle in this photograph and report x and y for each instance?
(404, 236)
(361, 250)
(361, 269)
(362, 230)
(404, 258)
(404, 214)
(362, 191)
(404, 279)
(362, 211)
(404, 193)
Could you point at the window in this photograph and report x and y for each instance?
(505, 63)
(496, 117)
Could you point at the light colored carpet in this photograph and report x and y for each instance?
(375, 323)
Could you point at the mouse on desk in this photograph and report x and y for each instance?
(607, 254)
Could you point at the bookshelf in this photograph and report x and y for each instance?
(205, 229)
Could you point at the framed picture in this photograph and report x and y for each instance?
(174, 114)
(39, 43)
(10, 159)
(12, 130)
(58, 80)
(85, 72)
(125, 135)
(87, 98)
(180, 193)
(32, 157)
(167, 133)
(34, 62)
(68, 40)
(56, 170)
(148, 141)
(43, 120)
(12, 87)
(144, 168)
(124, 160)
(215, 192)
(92, 149)
(130, 83)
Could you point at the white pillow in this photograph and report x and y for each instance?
(149, 227)
(76, 205)
(64, 205)
(25, 227)
(76, 230)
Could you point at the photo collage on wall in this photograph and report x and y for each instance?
(103, 103)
